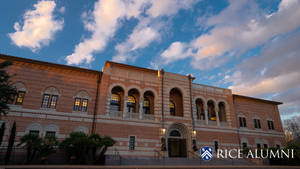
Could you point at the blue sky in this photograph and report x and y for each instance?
(251, 47)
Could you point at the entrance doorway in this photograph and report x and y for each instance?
(177, 147)
(177, 144)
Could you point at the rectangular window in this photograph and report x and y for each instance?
(84, 105)
(53, 102)
(243, 122)
(216, 145)
(50, 134)
(11, 100)
(257, 123)
(131, 142)
(45, 101)
(77, 104)
(244, 145)
(265, 146)
(270, 125)
(20, 97)
(34, 132)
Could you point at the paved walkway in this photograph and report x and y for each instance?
(139, 167)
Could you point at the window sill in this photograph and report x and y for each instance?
(79, 112)
(48, 109)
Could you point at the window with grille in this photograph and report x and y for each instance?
(34, 132)
(49, 101)
(270, 125)
(131, 142)
(80, 104)
(50, 133)
(115, 102)
(242, 122)
(257, 123)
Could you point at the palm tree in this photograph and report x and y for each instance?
(76, 147)
(47, 147)
(32, 143)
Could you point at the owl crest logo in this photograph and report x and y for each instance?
(206, 153)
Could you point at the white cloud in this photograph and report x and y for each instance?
(279, 61)
(148, 29)
(176, 50)
(39, 28)
(102, 23)
(239, 27)
(140, 38)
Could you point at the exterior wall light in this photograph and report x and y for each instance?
(163, 131)
(194, 133)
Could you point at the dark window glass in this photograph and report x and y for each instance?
(244, 145)
(216, 146)
(131, 142)
(175, 133)
(50, 133)
(270, 125)
(20, 97)
(34, 132)
(77, 104)
(11, 100)
(265, 146)
(84, 105)
(257, 123)
(277, 146)
(244, 121)
(241, 122)
(45, 101)
(53, 102)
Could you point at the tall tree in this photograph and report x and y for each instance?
(2, 130)
(32, 143)
(6, 89)
(10, 142)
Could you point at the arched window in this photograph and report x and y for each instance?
(117, 93)
(211, 111)
(131, 104)
(18, 98)
(133, 101)
(175, 133)
(222, 112)
(172, 108)
(177, 99)
(81, 102)
(200, 110)
(146, 106)
(50, 98)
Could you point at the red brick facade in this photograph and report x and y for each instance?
(215, 121)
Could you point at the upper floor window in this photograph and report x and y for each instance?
(50, 98)
(257, 123)
(172, 108)
(18, 98)
(211, 113)
(146, 106)
(270, 124)
(115, 102)
(200, 109)
(80, 104)
(131, 104)
(81, 101)
(242, 122)
(116, 97)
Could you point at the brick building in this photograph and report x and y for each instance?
(140, 108)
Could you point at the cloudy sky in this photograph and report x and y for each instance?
(252, 47)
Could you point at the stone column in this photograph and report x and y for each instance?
(206, 115)
(125, 106)
(217, 115)
(141, 107)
